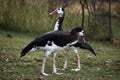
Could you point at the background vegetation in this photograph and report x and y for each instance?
(32, 16)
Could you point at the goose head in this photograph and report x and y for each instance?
(78, 30)
(59, 11)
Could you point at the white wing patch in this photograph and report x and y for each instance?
(52, 47)
(33, 49)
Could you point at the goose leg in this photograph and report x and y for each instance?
(43, 63)
(54, 65)
(78, 61)
(43, 67)
(66, 60)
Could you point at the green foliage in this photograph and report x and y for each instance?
(29, 18)
(118, 10)
(116, 27)
(33, 18)
(72, 20)
(96, 30)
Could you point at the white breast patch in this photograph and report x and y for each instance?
(56, 26)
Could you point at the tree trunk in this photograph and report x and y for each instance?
(94, 7)
(110, 27)
(89, 14)
(22, 2)
(83, 15)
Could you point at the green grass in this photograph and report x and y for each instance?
(106, 66)
(116, 29)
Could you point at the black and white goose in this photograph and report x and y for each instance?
(81, 44)
(59, 22)
(52, 42)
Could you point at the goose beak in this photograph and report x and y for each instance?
(53, 12)
(83, 38)
(50, 13)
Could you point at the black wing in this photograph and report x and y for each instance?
(84, 45)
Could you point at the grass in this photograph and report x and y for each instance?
(106, 66)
